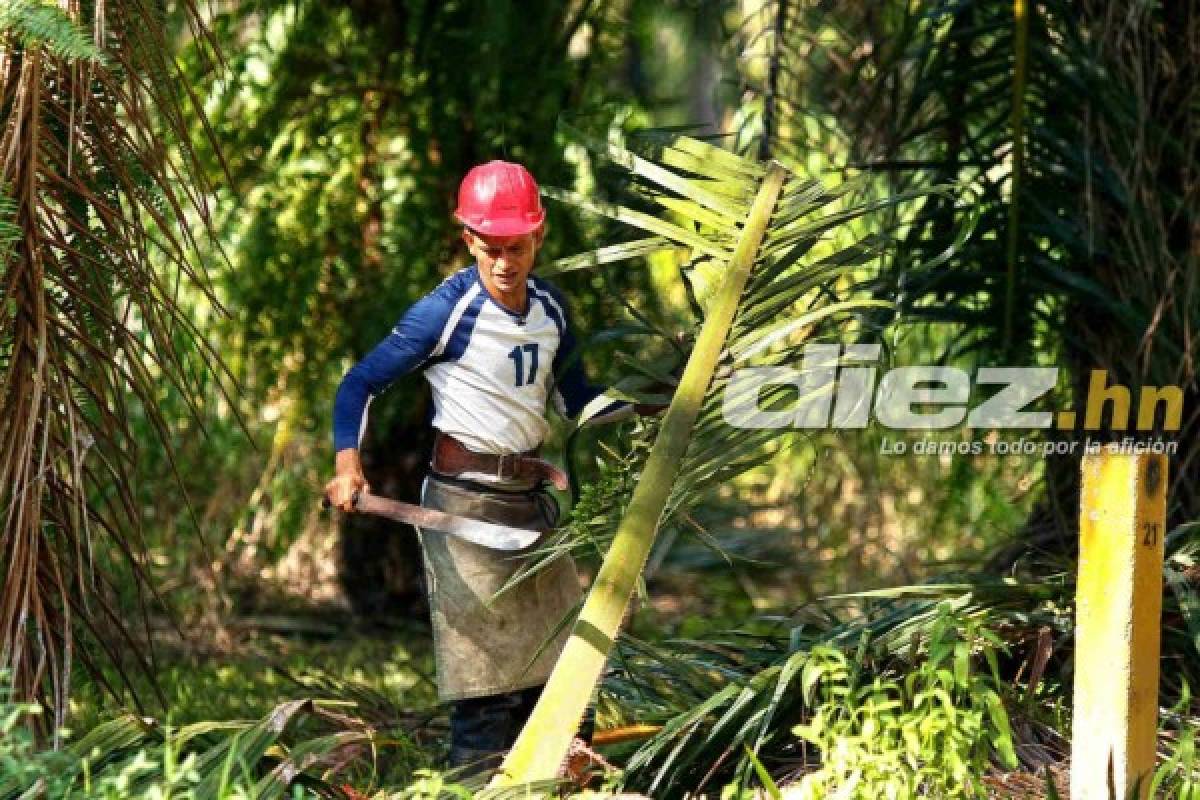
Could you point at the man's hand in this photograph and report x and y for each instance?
(348, 481)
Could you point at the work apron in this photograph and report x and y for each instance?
(485, 645)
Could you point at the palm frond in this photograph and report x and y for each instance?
(764, 246)
(36, 24)
(296, 743)
(9, 233)
(99, 274)
(1067, 125)
(741, 690)
(543, 743)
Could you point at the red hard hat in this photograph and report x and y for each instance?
(500, 199)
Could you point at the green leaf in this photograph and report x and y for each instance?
(39, 24)
(762, 338)
(1001, 730)
(733, 212)
(647, 222)
(607, 255)
(764, 777)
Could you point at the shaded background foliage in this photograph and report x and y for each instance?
(1072, 129)
(345, 128)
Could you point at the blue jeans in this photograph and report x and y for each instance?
(483, 728)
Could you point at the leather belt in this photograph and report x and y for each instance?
(451, 457)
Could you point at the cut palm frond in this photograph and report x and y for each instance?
(790, 257)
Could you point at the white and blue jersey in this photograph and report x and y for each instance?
(492, 370)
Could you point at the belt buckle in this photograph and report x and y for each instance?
(506, 466)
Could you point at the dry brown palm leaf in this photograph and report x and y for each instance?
(97, 269)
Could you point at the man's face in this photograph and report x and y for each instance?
(504, 261)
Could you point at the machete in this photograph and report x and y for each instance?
(484, 534)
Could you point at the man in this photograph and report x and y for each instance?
(491, 340)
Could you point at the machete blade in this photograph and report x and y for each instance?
(484, 534)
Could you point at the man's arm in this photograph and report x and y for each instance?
(573, 395)
(416, 337)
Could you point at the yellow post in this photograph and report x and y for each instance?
(1117, 617)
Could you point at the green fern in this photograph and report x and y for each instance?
(38, 24)
(130, 756)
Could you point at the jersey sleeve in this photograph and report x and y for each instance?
(415, 339)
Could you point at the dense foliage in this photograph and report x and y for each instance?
(207, 214)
